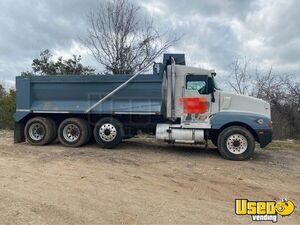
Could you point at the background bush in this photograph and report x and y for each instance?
(7, 108)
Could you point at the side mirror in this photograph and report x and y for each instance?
(210, 85)
(213, 97)
(211, 89)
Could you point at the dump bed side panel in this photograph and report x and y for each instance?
(75, 94)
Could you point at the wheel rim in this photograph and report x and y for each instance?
(107, 132)
(36, 131)
(237, 144)
(71, 132)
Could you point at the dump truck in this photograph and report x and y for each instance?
(177, 103)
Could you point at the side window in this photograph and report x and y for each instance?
(197, 83)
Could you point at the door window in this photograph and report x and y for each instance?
(197, 83)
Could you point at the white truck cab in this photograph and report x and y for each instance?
(197, 111)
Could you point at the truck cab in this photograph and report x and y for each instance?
(197, 110)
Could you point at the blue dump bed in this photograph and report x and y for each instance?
(75, 94)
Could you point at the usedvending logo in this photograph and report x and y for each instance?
(264, 210)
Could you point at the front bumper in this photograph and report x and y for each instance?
(264, 137)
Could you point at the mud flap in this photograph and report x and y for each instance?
(19, 132)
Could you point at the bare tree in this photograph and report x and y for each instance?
(241, 79)
(263, 83)
(282, 91)
(123, 40)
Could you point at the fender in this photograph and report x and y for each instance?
(259, 123)
(253, 120)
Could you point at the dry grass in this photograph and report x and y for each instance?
(284, 145)
(140, 182)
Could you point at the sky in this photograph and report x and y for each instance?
(215, 32)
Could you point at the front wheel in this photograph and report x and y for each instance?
(108, 132)
(236, 143)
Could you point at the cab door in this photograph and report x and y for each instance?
(196, 99)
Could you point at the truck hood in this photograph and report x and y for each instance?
(240, 103)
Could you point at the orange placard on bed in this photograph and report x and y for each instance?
(198, 105)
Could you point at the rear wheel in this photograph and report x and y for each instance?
(73, 132)
(236, 143)
(108, 132)
(54, 129)
(90, 133)
(40, 131)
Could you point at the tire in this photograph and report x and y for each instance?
(54, 129)
(108, 132)
(236, 143)
(90, 134)
(73, 132)
(40, 131)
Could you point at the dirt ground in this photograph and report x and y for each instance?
(141, 182)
